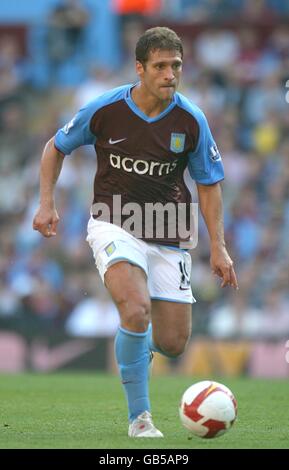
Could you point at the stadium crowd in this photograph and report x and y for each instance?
(242, 90)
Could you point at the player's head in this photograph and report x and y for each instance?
(159, 54)
(158, 38)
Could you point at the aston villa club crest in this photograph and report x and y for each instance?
(110, 249)
(177, 142)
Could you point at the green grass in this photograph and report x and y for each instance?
(88, 411)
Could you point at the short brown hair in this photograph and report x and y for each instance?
(159, 37)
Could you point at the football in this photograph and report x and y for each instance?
(208, 409)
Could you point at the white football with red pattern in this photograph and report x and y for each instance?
(208, 409)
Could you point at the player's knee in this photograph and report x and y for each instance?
(174, 347)
(137, 319)
(135, 313)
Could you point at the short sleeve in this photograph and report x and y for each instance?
(77, 131)
(205, 163)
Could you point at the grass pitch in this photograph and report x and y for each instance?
(88, 411)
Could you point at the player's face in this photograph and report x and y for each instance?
(161, 73)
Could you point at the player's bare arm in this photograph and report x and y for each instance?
(211, 205)
(46, 217)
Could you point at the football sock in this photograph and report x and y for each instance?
(151, 344)
(132, 356)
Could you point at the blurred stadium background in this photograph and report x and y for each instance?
(56, 56)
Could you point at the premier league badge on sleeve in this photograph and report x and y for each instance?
(68, 126)
(177, 142)
(214, 153)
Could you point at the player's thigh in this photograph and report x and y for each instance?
(172, 324)
(126, 283)
(122, 265)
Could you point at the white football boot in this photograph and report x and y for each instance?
(143, 426)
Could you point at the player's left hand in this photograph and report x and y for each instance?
(222, 266)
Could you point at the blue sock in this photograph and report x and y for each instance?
(132, 357)
(151, 344)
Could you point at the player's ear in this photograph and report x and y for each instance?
(139, 68)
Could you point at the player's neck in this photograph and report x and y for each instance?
(149, 104)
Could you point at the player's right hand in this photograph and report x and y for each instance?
(45, 221)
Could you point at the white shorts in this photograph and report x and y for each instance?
(168, 269)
